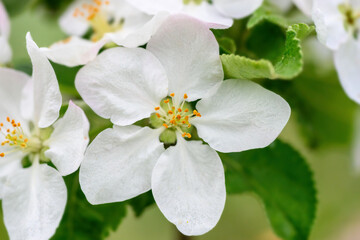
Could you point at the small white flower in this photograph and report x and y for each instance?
(34, 198)
(305, 6)
(111, 21)
(181, 64)
(338, 27)
(218, 14)
(5, 50)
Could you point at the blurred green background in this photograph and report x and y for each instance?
(321, 129)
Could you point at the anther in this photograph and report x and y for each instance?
(2, 154)
(184, 134)
(170, 112)
(158, 115)
(166, 101)
(8, 119)
(23, 145)
(165, 125)
(157, 108)
(26, 140)
(179, 110)
(186, 110)
(188, 135)
(172, 95)
(185, 96)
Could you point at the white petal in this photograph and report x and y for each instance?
(5, 50)
(8, 166)
(190, 54)
(34, 202)
(123, 84)
(329, 23)
(189, 187)
(11, 84)
(71, 25)
(47, 96)
(237, 8)
(305, 6)
(136, 34)
(347, 63)
(74, 51)
(156, 6)
(4, 22)
(118, 164)
(241, 116)
(69, 140)
(208, 14)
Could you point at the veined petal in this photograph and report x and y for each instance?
(74, 51)
(34, 202)
(68, 142)
(135, 34)
(347, 62)
(329, 23)
(8, 166)
(71, 24)
(47, 96)
(241, 116)
(190, 54)
(122, 84)
(189, 187)
(118, 164)
(237, 8)
(209, 14)
(11, 84)
(155, 6)
(4, 22)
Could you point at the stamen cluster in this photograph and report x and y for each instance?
(14, 136)
(89, 11)
(176, 117)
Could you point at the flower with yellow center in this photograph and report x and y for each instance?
(109, 21)
(338, 27)
(5, 50)
(181, 65)
(215, 13)
(33, 193)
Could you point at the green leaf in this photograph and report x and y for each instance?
(83, 221)
(227, 45)
(283, 180)
(267, 13)
(289, 66)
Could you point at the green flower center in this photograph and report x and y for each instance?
(351, 18)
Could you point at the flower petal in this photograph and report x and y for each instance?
(305, 6)
(68, 142)
(329, 23)
(47, 96)
(8, 166)
(156, 6)
(34, 202)
(241, 116)
(115, 169)
(5, 50)
(71, 24)
(4, 23)
(208, 14)
(237, 8)
(190, 54)
(123, 84)
(74, 51)
(11, 84)
(347, 62)
(134, 34)
(188, 185)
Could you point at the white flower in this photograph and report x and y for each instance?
(218, 14)
(5, 50)
(126, 85)
(34, 198)
(338, 27)
(111, 21)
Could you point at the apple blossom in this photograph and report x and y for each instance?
(337, 25)
(34, 198)
(111, 21)
(5, 50)
(181, 65)
(218, 14)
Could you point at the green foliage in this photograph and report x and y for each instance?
(282, 179)
(289, 66)
(268, 13)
